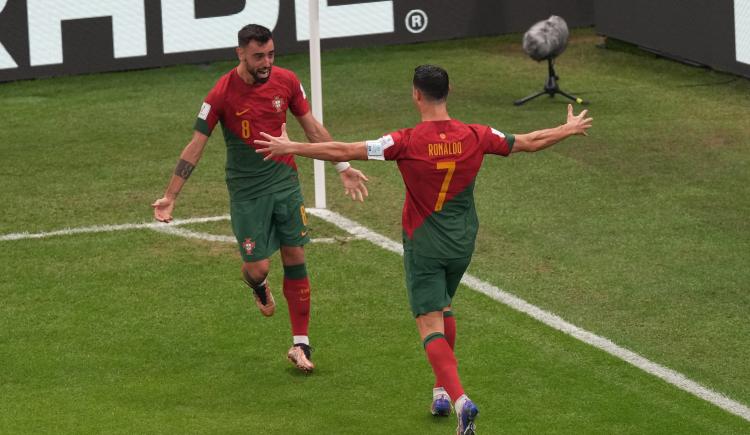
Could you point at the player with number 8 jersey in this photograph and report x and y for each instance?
(266, 206)
(244, 111)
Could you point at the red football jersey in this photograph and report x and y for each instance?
(244, 111)
(439, 161)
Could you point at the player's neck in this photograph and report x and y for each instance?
(245, 75)
(434, 112)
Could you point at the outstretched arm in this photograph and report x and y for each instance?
(189, 158)
(541, 139)
(352, 179)
(331, 151)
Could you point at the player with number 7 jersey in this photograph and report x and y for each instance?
(439, 160)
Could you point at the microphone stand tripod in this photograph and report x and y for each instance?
(550, 88)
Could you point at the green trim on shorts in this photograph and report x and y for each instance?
(296, 271)
(433, 336)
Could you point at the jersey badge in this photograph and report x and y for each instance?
(442, 136)
(248, 245)
(277, 103)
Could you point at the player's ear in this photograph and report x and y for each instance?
(240, 51)
(415, 94)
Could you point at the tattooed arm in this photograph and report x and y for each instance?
(188, 160)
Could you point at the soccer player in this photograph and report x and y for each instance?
(439, 160)
(266, 204)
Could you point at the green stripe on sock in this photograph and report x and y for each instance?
(297, 271)
(433, 336)
(448, 313)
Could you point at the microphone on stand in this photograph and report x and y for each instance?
(546, 40)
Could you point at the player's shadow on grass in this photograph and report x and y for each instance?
(297, 373)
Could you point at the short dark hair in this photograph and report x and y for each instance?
(432, 80)
(253, 32)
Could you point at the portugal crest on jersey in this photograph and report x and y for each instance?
(277, 103)
(248, 245)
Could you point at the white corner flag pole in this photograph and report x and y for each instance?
(317, 98)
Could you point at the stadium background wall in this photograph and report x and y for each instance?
(715, 33)
(43, 38)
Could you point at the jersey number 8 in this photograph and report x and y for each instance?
(246, 130)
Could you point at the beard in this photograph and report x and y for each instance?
(260, 76)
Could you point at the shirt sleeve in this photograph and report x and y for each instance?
(388, 147)
(210, 112)
(298, 102)
(497, 142)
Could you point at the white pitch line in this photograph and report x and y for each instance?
(172, 228)
(666, 374)
(189, 234)
(357, 230)
(360, 232)
(109, 228)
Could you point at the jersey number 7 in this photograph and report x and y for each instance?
(450, 166)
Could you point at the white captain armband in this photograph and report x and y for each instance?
(376, 148)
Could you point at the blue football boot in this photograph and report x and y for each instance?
(466, 416)
(441, 403)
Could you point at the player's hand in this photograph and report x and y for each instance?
(354, 184)
(578, 124)
(274, 146)
(163, 209)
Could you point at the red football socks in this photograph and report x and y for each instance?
(297, 294)
(449, 325)
(443, 364)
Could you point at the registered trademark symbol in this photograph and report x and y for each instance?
(416, 21)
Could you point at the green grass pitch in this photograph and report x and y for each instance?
(639, 233)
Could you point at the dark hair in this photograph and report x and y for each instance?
(432, 80)
(253, 32)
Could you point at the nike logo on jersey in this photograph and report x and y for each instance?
(241, 113)
(303, 233)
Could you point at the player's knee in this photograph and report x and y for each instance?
(254, 273)
(292, 255)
